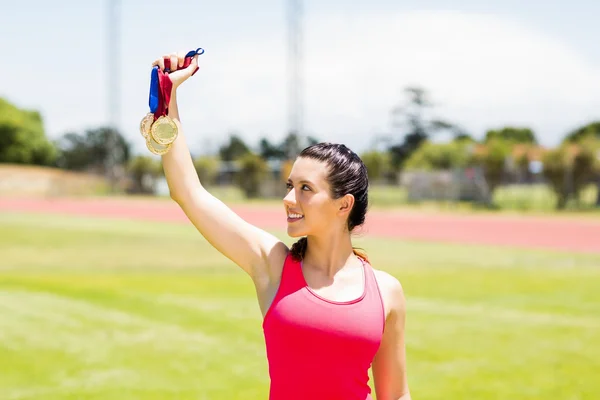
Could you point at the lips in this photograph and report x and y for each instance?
(293, 216)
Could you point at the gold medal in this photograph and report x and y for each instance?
(157, 148)
(164, 131)
(146, 124)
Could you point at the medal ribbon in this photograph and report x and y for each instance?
(161, 84)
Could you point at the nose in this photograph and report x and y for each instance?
(290, 198)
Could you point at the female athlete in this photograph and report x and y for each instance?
(328, 316)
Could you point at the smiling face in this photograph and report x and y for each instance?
(309, 206)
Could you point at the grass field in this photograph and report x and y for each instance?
(107, 309)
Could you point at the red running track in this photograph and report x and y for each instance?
(527, 232)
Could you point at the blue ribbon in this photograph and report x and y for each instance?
(153, 97)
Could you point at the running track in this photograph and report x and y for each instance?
(527, 232)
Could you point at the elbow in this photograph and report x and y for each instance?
(179, 197)
(175, 197)
(185, 197)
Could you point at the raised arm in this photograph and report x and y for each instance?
(253, 249)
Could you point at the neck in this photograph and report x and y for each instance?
(329, 253)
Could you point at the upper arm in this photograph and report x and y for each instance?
(248, 246)
(389, 364)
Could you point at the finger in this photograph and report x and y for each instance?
(180, 59)
(161, 63)
(193, 67)
(174, 62)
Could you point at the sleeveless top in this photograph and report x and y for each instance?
(320, 349)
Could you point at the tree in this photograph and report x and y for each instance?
(439, 156)
(291, 146)
(253, 170)
(511, 134)
(91, 150)
(207, 169)
(235, 149)
(569, 168)
(492, 158)
(587, 133)
(143, 171)
(270, 151)
(22, 137)
(312, 140)
(417, 128)
(377, 163)
(591, 129)
(287, 149)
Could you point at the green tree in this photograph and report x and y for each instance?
(511, 134)
(291, 145)
(143, 170)
(413, 123)
(91, 150)
(270, 151)
(569, 168)
(591, 129)
(378, 164)
(555, 171)
(22, 137)
(439, 156)
(586, 165)
(253, 170)
(207, 169)
(492, 158)
(589, 134)
(234, 149)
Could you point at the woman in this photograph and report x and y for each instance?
(327, 314)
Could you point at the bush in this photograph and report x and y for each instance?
(493, 160)
(439, 156)
(207, 169)
(570, 168)
(143, 171)
(253, 170)
(378, 165)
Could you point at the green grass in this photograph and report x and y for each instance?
(121, 310)
(539, 198)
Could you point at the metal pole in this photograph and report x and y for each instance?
(295, 76)
(113, 84)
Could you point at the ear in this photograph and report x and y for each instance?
(345, 204)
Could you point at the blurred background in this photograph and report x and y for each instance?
(480, 128)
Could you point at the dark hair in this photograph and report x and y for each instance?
(347, 174)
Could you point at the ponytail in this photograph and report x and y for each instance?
(298, 250)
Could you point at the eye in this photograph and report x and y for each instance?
(289, 186)
(304, 187)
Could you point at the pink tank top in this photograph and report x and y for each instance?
(319, 349)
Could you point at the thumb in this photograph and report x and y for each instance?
(193, 67)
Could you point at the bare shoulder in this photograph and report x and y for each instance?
(392, 292)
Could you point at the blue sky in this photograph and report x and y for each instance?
(503, 63)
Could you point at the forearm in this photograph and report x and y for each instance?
(178, 165)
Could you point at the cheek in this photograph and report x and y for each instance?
(321, 208)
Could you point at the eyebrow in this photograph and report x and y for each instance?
(301, 181)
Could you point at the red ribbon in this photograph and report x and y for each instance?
(165, 85)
